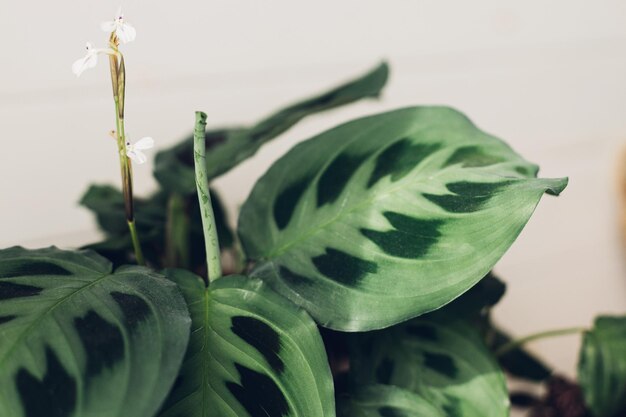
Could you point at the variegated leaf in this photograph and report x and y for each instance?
(252, 354)
(388, 217)
(602, 367)
(228, 147)
(386, 401)
(79, 340)
(443, 360)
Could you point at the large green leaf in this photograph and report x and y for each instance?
(228, 147)
(78, 340)
(389, 216)
(602, 367)
(252, 354)
(443, 360)
(386, 401)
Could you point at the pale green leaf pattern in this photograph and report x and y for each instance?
(441, 359)
(252, 353)
(388, 217)
(79, 340)
(386, 401)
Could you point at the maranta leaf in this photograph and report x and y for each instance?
(389, 216)
(442, 360)
(228, 147)
(386, 401)
(602, 367)
(252, 353)
(77, 339)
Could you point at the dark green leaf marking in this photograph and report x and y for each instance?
(384, 370)
(343, 267)
(258, 394)
(399, 159)
(32, 268)
(135, 309)
(53, 396)
(423, 331)
(336, 177)
(293, 278)
(287, 200)
(453, 407)
(443, 364)
(6, 319)
(468, 197)
(103, 342)
(391, 412)
(9, 290)
(526, 171)
(262, 337)
(472, 156)
(412, 238)
(519, 362)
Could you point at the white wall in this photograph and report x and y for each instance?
(548, 76)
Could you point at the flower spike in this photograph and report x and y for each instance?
(124, 31)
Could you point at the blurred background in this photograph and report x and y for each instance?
(548, 77)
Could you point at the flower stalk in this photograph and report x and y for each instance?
(211, 243)
(120, 30)
(118, 81)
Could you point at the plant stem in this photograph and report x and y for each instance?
(118, 80)
(136, 244)
(211, 243)
(507, 347)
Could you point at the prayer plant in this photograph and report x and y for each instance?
(357, 283)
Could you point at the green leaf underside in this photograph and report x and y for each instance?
(442, 360)
(77, 339)
(389, 216)
(386, 401)
(252, 353)
(228, 147)
(602, 367)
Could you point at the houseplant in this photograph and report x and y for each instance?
(357, 283)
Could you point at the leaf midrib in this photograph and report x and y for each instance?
(40, 317)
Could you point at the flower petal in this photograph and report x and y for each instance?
(144, 143)
(126, 33)
(137, 156)
(79, 66)
(91, 60)
(108, 26)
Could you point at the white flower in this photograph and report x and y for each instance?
(133, 151)
(90, 59)
(125, 32)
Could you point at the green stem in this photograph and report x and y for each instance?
(127, 181)
(136, 244)
(211, 242)
(507, 347)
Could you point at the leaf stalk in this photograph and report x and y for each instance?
(211, 242)
(507, 347)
